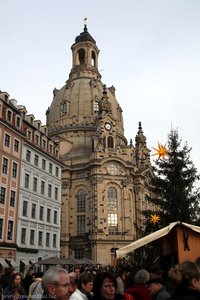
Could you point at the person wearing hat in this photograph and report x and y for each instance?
(157, 289)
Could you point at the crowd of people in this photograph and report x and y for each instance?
(104, 284)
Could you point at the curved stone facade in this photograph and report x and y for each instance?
(104, 179)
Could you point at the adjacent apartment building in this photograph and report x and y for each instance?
(30, 186)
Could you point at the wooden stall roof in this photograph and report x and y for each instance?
(152, 237)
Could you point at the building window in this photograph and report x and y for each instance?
(28, 155)
(7, 140)
(23, 236)
(36, 160)
(112, 224)
(95, 106)
(18, 121)
(49, 190)
(56, 193)
(32, 237)
(44, 144)
(33, 211)
(55, 217)
(47, 239)
(2, 195)
(112, 198)
(57, 171)
(5, 166)
(12, 198)
(54, 240)
(9, 116)
(50, 149)
(81, 225)
(50, 168)
(40, 238)
(41, 213)
(78, 253)
(10, 230)
(57, 153)
(81, 201)
(14, 170)
(29, 135)
(37, 139)
(63, 108)
(26, 181)
(35, 181)
(110, 142)
(16, 145)
(25, 209)
(43, 164)
(48, 215)
(1, 228)
(42, 188)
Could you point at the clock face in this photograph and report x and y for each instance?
(112, 169)
(108, 126)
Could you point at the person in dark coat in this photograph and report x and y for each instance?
(15, 290)
(157, 289)
(104, 286)
(186, 277)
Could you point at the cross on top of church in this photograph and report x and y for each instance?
(85, 22)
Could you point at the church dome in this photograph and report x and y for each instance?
(76, 105)
(84, 36)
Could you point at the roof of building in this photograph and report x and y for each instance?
(84, 36)
(152, 237)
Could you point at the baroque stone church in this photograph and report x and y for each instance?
(105, 179)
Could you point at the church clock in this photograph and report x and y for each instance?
(108, 126)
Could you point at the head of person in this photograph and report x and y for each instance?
(104, 286)
(141, 277)
(185, 275)
(121, 273)
(77, 271)
(155, 272)
(15, 279)
(56, 283)
(85, 282)
(155, 285)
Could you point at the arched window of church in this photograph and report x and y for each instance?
(95, 106)
(63, 108)
(110, 142)
(93, 59)
(81, 201)
(112, 198)
(81, 56)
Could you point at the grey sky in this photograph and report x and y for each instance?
(149, 50)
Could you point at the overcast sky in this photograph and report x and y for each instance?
(149, 50)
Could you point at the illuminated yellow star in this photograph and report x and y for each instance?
(161, 151)
(154, 219)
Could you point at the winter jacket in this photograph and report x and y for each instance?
(185, 294)
(9, 293)
(78, 295)
(162, 294)
(139, 292)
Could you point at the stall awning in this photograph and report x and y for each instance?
(24, 261)
(12, 263)
(152, 237)
(32, 261)
(3, 263)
